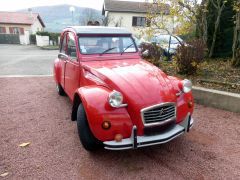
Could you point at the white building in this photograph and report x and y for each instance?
(20, 23)
(129, 14)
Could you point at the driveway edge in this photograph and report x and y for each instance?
(218, 99)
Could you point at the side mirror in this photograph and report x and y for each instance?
(145, 53)
(62, 56)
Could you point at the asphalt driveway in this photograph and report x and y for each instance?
(25, 60)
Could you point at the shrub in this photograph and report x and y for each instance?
(43, 33)
(54, 37)
(155, 53)
(188, 57)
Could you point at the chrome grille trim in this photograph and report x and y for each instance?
(151, 115)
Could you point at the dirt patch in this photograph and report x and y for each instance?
(31, 111)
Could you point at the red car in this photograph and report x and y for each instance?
(120, 101)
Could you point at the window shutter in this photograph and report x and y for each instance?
(21, 31)
(134, 21)
(4, 30)
(11, 30)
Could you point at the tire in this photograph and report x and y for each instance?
(89, 142)
(60, 90)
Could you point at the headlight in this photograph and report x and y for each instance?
(187, 85)
(115, 99)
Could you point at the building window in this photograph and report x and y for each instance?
(140, 21)
(2, 30)
(16, 30)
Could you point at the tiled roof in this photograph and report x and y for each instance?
(130, 6)
(19, 18)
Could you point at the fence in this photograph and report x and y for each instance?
(9, 39)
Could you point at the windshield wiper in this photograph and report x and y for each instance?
(126, 48)
(107, 50)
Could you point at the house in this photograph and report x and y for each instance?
(18, 26)
(129, 14)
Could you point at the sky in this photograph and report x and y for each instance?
(13, 5)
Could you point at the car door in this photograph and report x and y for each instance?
(63, 58)
(72, 69)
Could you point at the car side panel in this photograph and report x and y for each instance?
(71, 78)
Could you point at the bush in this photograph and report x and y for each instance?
(188, 57)
(43, 33)
(154, 52)
(54, 38)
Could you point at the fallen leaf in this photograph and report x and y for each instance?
(24, 144)
(4, 174)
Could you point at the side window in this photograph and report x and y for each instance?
(64, 44)
(71, 46)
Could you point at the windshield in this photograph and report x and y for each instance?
(106, 45)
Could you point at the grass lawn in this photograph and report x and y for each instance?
(213, 73)
(50, 47)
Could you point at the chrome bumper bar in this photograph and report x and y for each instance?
(141, 141)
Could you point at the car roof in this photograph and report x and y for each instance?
(99, 30)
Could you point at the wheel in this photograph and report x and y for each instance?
(60, 90)
(89, 142)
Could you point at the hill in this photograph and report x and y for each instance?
(58, 17)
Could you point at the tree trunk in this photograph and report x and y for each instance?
(236, 42)
(220, 9)
(204, 23)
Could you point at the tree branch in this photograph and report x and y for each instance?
(215, 5)
(187, 6)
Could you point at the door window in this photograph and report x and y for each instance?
(64, 44)
(71, 46)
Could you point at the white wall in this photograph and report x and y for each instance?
(24, 39)
(36, 26)
(42, 40)
(124, 19)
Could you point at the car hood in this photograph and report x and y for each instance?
(141, 83)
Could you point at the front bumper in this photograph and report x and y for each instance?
(141, 141)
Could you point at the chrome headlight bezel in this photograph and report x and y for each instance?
(115, 99)
(186, 85)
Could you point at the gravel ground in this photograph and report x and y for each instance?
(31, 111)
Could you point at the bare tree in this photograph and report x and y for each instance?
(219, 5)
(204, 21)
(236, 39)
(88, 15)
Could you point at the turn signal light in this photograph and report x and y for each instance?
(118, 137)
(106, 125)
(190, 104)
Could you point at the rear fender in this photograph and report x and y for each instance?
(57, 71)
(98, 110)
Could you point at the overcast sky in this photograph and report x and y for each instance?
(12, 5)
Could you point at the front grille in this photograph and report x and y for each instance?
(159, 113)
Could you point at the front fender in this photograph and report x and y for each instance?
(95, 102)
(183, 100)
